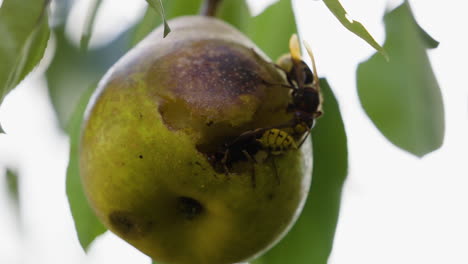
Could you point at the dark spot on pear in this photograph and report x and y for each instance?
(189, 208)
(140, 156)
(270, 196)
(128, 224)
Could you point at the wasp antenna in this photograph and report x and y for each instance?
(294, 48)
(311, 55)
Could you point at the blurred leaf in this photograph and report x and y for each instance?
(352, 25)
(24, 32)
(70, 76)
(158, 7)
(311, 238)
(72, 71)
(402, 96)
(89, 23)
(12, 184)
(235, 12)
(60, 12)
(270, 30)
(430, 42)
(88, 227)
(174, 8)
(1, 129)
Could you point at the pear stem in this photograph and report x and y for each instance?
(210, 7)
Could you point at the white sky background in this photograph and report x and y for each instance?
(396, 208)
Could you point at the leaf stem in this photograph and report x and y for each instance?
(210, 7)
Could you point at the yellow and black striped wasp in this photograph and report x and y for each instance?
(306, 97)
(250, 143)
(305, 105)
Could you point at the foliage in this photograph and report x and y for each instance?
(24, 32)
(73, 70)
(173, 8)
(91, 18)
(158, 7)
(270, 30)
(12, 184)
(87, 225)
(402, 96)
(398, 91)
(352, 25)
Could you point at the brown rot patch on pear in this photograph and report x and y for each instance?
(189, 208)
(128, 224)
(214, 73)
(212, 90)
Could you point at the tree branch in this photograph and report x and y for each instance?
(210, 7)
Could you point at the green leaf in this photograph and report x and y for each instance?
(12, 185)
(158, 7)
(235, 12)
(430, 42)
(72, 71)
(402, 96)
(1, 129)
(89, 23)
(270, 30)
(173, 8)
(88, 227)
(13, 190)
(24, 33)
(311, 238)
(352, 25)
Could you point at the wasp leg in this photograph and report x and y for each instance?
(304, 139)
(276, 170)
(253, 167)
(224, 162)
